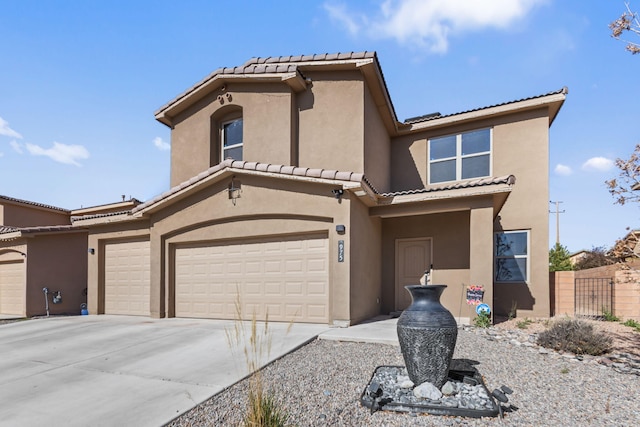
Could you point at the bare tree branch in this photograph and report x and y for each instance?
(628, 22)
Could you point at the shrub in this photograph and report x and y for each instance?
(609, 316)
(632, 324)
(575, 336)
(483, 320)
(523, 324)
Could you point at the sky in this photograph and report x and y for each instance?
(81, 79)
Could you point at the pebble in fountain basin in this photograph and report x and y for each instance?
(468, 398)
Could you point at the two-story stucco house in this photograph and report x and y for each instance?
(298, 192)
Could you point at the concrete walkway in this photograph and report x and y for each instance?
(381, 330)
(121, 370)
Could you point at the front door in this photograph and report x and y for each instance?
(413, 258)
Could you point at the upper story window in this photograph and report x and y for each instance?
(232, 140)
(462, 156)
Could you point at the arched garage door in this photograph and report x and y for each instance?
(286, 277)
(127, 278)
(12, 288)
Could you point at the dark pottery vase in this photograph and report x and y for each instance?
(427, 333)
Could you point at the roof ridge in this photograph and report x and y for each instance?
(258, 167)
(471, 183)
(27, 202)
(428, 117)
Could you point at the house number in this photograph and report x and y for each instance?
(340, 250)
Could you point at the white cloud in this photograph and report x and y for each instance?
(160, 144)
(563, 170)
(339, 13)
(429, 23)
(62, 153)
(7, 131)
(17, 147)
(599, 164)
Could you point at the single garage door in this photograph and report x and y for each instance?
(284, 277)
(127, 278)
(12, 288)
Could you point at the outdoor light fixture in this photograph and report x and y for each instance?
(337, 193)
(235, 188)
(92, 251)
(340, 228)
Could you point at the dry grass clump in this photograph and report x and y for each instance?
(575, 336)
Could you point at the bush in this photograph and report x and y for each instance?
(575, 336)
(632, 324)
(483, 320)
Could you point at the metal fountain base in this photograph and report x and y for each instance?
(472, 398)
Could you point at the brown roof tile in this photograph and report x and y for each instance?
(435, 116)
(506, 179)
(27, 202)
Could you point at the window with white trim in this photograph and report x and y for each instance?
(232, 140)
(462, 156)
(511, 256)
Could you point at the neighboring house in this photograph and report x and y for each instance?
(297, 192)
(39, 248)
(576, 257)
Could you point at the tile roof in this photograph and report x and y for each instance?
(258, 167)
(434, 116)
(99, 215)
(7, 229)
(274, 64)
(27, 202)
(480, 182)
(39, 229)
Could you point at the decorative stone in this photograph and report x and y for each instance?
(427, 333)
(448, 388)
(427, 391)
(407, 384)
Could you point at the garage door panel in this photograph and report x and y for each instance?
(12, 288)
(281, 277)
(127, 278)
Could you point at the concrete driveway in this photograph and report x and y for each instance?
(121, 370)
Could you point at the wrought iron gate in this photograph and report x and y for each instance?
(593, 297)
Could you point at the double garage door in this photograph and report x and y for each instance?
(12, 288)
(284, 279)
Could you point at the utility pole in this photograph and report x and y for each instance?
(557, 212)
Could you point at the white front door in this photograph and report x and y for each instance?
(413, 258)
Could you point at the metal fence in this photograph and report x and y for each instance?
(593, 297)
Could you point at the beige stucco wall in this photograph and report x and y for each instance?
(377, 149)
(267, 128)
(363, 258)
(450, 252)
(331, 131)
(59, 262)
(521, 148)
(22, 216)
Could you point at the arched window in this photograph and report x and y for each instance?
(232, 139)
(226, 134)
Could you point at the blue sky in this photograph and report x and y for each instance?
(80, 81)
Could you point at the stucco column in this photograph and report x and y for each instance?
(157, 291)
(481, 250)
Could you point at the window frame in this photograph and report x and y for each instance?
(526, 257)
(224, 148)
(459, 157)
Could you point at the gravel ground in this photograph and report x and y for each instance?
(321, 383)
